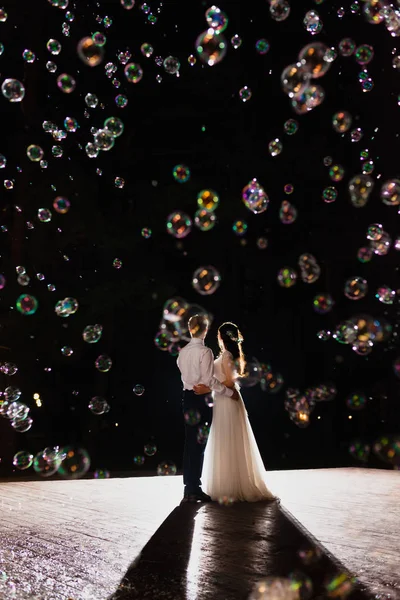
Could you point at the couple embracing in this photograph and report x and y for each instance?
(231, 466)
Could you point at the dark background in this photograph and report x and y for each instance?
(163, 127)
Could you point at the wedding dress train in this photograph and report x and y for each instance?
(233, 466)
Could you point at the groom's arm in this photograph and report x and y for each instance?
(207, 375)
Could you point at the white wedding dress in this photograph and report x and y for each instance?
(233, 467)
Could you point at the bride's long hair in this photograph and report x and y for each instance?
(230, 338)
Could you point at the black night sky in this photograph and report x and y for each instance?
(198, 120)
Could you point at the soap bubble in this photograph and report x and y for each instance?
(360, 451)
(356, 401)
(206, 280)
(208, 200)
(312, 22)
(390, 192)
(287, 277)
(61, 205)
(385, 294)
(360, 188)
(341, 121)
(114, 126)
(273, 588)
(387, 448)
(91, 100)
(138, 389)
(179, 224)
(75, 463)
(254, 198)
(147, 50)
(171, 65)
(364, 254)
(275, 147)
(216, 19)
(294, 80)
(98, 405)
(103, 363)
(329, 194)
(236, 41)
(34, 153)
(133, 72)
(262, 46)
(356, 288)
(312, 97)
(22, 460)
(150, 449)
(240, 227)
(309, 268)
(313, 59)
(28, 56)
(54, 47)
(382, 246)
(347, 46)
(287, 213)
(127, 4)
(279, 10)
(245, 93)
(323, 303)
(66, 83)
(92, 333)
(204, 220)
(181, 173)
(46, 466)
(375, 231)
(66, 307)
(364, 54)
(211, 47)
(291, 126)
(166, 468)
(13, 90)
(26, 304)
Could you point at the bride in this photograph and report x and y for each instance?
(233, 468)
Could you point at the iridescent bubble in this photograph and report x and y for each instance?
(345, 333)
(390, 192)
(138, 389)
(44, 215)
(375, 231)
(192, 417)
(99, 39)
(336, 172)
(275, 147)
(236, 41)
(91, 150)
(66, 307)
(146, 233)
(71, 124)
(119, 182)
(12, 393)
(313, 59)
(51, 66)
(75, 463)
(3, 161)
(150, 449)
(211, 47)
(57, 151)
(28, 56)
(34, 153)
(312, 97)
(103, 363)
(287, 277)
(262, 46)
(360, 188)
(295, 80)
(288, 189)
(9, 368)
(127, 4)
(139, 460)
(387, 448)
(66, 83)
(171, 65)
(181, 173)
(347, 46)
(382, 246)
(104, 140)
(356, 401)
(309, 268)
(204, 220)
(290, 126)
(360, 451)
(179, 224)
(9, 184)
(67, 351)
(364, 54)
(206, 280)
(356, 135)
(279, 10)
(255, 197)
(364, 254)
(385, 294)
(147, 50)
(22, 460)
(26, 304)
(117, 263)
(245, 93)
(133, 72)
(324, 335)
(98, 405)
(312, 22)
(13, 90)
(374, 11)
(114, 125)
(192, 60)
(91, 100)
(287, 213)
(341, 121)
(162, 340)
(166, 468)
(356, 288)
(323, 303)
(46, 466)
(216, 19)
(92, 333)
(53, 46)
(329, 194)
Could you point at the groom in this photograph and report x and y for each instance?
(196, 364)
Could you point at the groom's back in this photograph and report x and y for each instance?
(189, 362)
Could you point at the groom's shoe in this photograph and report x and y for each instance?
(200, 496)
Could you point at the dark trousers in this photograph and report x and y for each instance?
(193, 453)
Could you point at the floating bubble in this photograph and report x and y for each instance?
(117, 263)
(114, 126)
(192, 417)
(207, 200)
(162, 340)
(127, 4)
(360, 188)
(179, 224)
(387, 448)
(364, 254)
(146, 233)
(347, 46)
(323, 303)
(312, 97)
(279, 10)
(211, 47)
(240, 227)
(254, 198)
(139, 460)
(26, 304)
(390, 192)
(54, 47)
(99, 39)
(356, 401)
(329, 194)
(166, 468)
(171, 65)
(192, 60)
(138, 389)
(133, 72)
(324, 335)
(287, 213)
(312, 22)
(262, 243)
(91, 100)
(103, 363)
(364, 54)
(13, 90)
(236, 41)
(101, 474)
(204, 220)
(360, 451)
(345, 333)
(147, 50)
(262, 46)
(175, 309)
(356, 288)
(206, 280)
(309, 268)
(51, 66)
(92, 333)
(313, 59)
(28, 56)
(181, 173)
(61, 205)
(67, 351)
(356, 135)
(295, 80)
(287, 277)
(9, 368)
(375, 231)
(75, 463)
(71, 124)
(341, 121)
(34, 153)
(46, 466)
(275, 147)
(288, 189)
(245, 93)
(290, 126)
(66, 307)
(385, 294)
(104, 140)
(98, 405)
(150, 449)
(22, 460)
(66, 83)
(336, 172)
(382, 246)
(216, 19)
(119, 182)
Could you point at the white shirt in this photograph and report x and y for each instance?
(196, 364)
